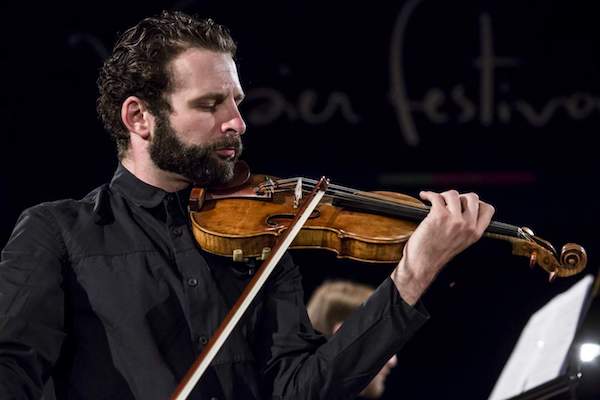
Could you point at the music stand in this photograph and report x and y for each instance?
(538, 368)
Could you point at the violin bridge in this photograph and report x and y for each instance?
(298, 193)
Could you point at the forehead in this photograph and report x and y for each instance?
(196, 71)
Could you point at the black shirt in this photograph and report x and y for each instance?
(111, 297)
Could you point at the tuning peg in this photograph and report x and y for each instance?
(528, 231)
(532, 259)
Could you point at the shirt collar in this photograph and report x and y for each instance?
(138, 191)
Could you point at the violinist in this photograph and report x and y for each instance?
(110, 297)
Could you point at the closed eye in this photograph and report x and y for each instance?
(207, 102)
(207, 107)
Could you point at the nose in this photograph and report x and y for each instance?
(233, 123)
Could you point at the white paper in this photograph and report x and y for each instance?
(544, 343)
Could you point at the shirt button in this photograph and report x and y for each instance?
(192, 282)
(177, 231)
(203, 340)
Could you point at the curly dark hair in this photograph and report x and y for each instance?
(139, 61)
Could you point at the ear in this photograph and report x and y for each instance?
(136, 117)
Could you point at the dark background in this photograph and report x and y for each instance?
(503, 98)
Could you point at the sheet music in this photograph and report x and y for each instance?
(544, 343)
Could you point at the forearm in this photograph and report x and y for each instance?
(412, 281)
(346, 363)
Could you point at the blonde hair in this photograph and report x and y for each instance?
(334, 301)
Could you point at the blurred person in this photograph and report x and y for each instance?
(330, 305)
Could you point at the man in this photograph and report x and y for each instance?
(111, 297)
(330, 305)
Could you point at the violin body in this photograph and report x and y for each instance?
(241, 225)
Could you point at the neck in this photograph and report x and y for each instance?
(149, 173)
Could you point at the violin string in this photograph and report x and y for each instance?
(345, 191)
(342, 192)
(351, 198)
(358, 200)
(354, 198)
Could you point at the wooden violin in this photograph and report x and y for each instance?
(244, 219)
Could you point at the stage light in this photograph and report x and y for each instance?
(589, 351)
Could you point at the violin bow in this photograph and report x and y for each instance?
(234, 315)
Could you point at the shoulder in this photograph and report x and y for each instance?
(71, 216)
(64, 211)
(64, 227)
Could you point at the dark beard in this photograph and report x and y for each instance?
(198, 163)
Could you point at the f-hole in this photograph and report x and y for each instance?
(280, 219)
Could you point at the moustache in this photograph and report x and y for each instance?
(233, 142)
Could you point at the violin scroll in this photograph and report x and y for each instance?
(571, 260)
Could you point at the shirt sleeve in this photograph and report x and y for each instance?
(31, 304)
(298, 363)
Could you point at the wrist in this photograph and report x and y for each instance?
(412, 281)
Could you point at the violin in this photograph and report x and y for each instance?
(244, 219)
(260, 217)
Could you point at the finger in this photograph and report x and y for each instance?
(470, 207)
(452, 201)
(436, 200)
(486, 211)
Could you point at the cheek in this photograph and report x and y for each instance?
(195, 130)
